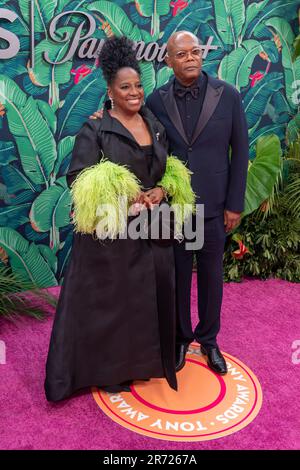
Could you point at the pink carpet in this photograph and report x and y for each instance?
(260, 322)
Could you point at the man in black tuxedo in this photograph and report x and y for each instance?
(203, 118)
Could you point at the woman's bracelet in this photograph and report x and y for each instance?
(164, 193)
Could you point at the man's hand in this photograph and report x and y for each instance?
(231, 220)
(97, 114)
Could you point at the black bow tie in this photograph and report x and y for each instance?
(182, 91)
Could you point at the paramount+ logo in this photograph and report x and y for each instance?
(80, 40)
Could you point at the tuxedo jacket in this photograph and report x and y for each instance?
(218, 151)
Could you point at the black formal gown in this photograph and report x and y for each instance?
(115, 319)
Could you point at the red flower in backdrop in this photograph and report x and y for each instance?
(178, 5)
(80, 73)
(256, 77)
(240, 253)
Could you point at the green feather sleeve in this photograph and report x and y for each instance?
(101, 195)
(177, 183)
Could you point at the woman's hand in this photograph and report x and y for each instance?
(141, 202)
(155, 195)
(146, 200)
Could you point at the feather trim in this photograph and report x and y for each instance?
(101, 195)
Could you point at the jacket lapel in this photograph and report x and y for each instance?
(212, 97)
(172, 110)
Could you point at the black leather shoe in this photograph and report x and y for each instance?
(215, 360)
(181, 350)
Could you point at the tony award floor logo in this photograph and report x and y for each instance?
(195, 412)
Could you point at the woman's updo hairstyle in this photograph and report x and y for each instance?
(117, 52)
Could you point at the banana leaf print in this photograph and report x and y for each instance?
(64, 149)
(47, 75)
(257, 25)
(263, 172)
(44, 12)
(256, 99)
(163, 76)
(14, 216)
(16, 67)
(148, 77)
(45, 106)
(153, 9)
(230, 17)
(33, 137)
(25, 258)
(235, 67)
(293, 128)
(51, 211)
(52, 206)
(81, 101)
(119, 22)
(191, 19)
(291, 68)
(7, 152)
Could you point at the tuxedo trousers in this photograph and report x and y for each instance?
(209, 261)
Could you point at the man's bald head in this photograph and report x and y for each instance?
(184, 56)
(176, 39)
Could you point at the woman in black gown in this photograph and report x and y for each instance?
(115, 319)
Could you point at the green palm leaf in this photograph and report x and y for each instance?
(51, 208)
(257, 98)
(14, 216)
(14, 67)
(48, 114)
(61, 4)
(64, 149)
(15, 301)
(64, 254)
(33, 137)
(230, 17)
(252, 11)
(148, 7)
(297, 47)
(277, 129)
(7, 152)
(117, 18)
(163, 76)
(189, 19)
(284, 9)
(15, 180)
(25, 259)
(291, 69)
(263, 172)
(4, 195)
(80, 102)
(43, 14)
(48, 256)
(235, 67)
(153, 9)
(46, 74)
(293, 129)
(148, 77)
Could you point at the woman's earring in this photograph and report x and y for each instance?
(111, 102)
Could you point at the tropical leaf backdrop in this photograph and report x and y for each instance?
(45, 106)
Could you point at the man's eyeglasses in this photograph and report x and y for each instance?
(182, 55)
